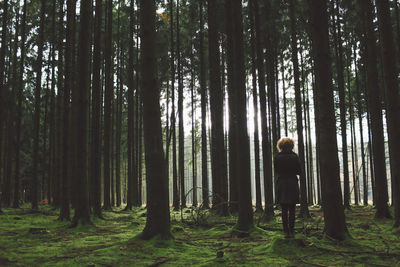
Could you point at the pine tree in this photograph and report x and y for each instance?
(335, 225)
(158, 220)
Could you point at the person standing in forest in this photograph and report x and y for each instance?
(287, 167)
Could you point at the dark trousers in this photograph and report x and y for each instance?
(288, 225)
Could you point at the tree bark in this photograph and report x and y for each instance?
(203, 95)
(38, 87)
(158, 218)
(81, 102)
(218, 154)
(96, 107)
(266, 145)
(255, 107)
(108, 94)
(392, 100)
(299, 118)
(242, 159)
(374, 103)
(335, 225)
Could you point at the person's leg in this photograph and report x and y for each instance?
(292, 218)
(285, 209)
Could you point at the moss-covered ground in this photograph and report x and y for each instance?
(201, 239)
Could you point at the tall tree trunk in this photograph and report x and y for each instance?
(158, 220)
(175, 188)
(242, 159)
(299, 118)
(335, 225)
(132, 175)
(203, 93)
(266, 145)
(194, 149)
(96, 107)
(19, 111)
(2, 67)
(38, 87)
(52, 130)
(392, 102)
(108, 94)
(58, 180)
(120, 100)
(374, 103)
(218, 154)
(180, 111)
(255, 107)
(342, 101)
(81, 102)
(233, 175)
(66, 168)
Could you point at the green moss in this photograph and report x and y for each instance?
(113, 242)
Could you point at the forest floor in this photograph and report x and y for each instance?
(201, 239)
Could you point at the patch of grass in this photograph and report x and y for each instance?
(113, 241)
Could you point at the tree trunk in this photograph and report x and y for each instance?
(203, 92)
(66, 166)
(299, 118)
(218, 154)
(392, 99)
(96, 107)
(374, 103)
(38, 87)
(132, 175)
(266, 145)
(2, 67)
(158, 220)
(342, 101)
(80, 101)
(120, 100)
(180, 111)
(335, 225)
(175, 188)
(108, 94)
(19, 111)
(255, 107)
(242, 159)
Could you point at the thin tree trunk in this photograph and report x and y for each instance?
(175, 188)
(266, 145)
(203, 92)
(38, 87)
(342, 101)
(299, 119)
(132, 175)
(2, 67)
(180, 111)
(255, 107)
(120, 100)
(19, 111)
(96, 107)
(108, 95)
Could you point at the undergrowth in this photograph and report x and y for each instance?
(200, 239)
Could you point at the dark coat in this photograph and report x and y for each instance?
(287, 167)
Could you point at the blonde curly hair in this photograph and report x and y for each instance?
(285, 144)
